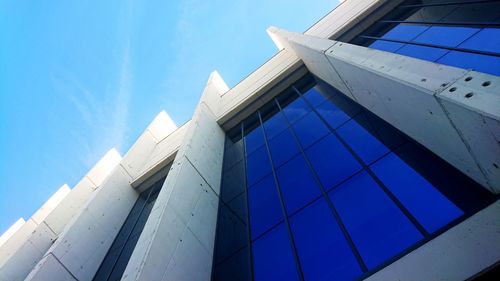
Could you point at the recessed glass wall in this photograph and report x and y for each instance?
(119, 254)
(464, 34)
(317, 188)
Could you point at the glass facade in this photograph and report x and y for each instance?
(463, 34)
(317, 188)
(117, 258)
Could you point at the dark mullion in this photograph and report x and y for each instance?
(444, 4)
(336, 215)
(367, 168)
(431, 45)
(131, 231)
(249, 230)
(445, 23)
(283, 209)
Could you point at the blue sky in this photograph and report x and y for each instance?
(80, 77)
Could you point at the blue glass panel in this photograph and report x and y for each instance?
(264, 206)
(272, 257)
(481, 63)
(283, 147)
(362, 142)
(331, 161)
(322, 249)
(487, 40)
(310, 129)
(314, 97)
(378, 228)
(404, 32)
(425, 203)
(275, 125)
(332, 114)
(296, 110)
(254, 140)
(422, 52)
(258, 165)
(385, 46)
(450, 36)
(297, 183)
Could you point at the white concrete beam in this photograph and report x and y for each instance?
(51, 204)
(178, 239)
(11, 231)
(137, 156)
(407, 93)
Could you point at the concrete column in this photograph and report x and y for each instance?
(178, 239)
(80, 248)
(453, 112)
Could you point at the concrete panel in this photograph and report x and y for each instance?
(469, 103)
(103, 167)
(49, 268)
(162, 126)
(17, 240)
(11, 231)
(85, 241)
(458, 254)
(163, 154)
(178, 238)
(189, 252)
(50, 204)
(134, 159)
(70, 206)
(20, 263)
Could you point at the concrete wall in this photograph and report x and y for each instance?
(84, 242)
(178, 239)
(53, 216)
(11, 231)
(425, 100)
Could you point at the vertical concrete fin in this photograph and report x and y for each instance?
(12, 230)
(51, 204)
(425, 100)
(161, 126)
(178, 239)
(104, 166)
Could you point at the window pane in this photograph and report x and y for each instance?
(314, 97)
(487, 40)
(481, 63)
(425, 202)
(323, 251)
(310, 129)
(297, 184)
(378, 228)
(235, 268)
(265, 207)
(331, 161)
(450, 36)
(422, 52)
(362, 142)
(283, 147)
(258, 165)
(231, 234)
(404, 32)
(386, 46)
(332, 114)
(296, 110)
(254, 140)
(239, 206)
(233, 182)
(275, 125)
(272, 257)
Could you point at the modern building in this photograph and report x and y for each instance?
(366, 148)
